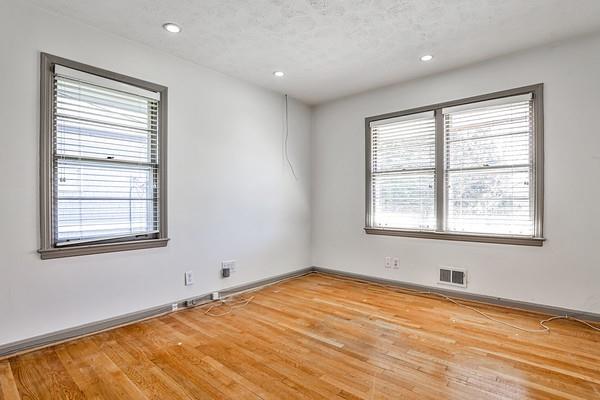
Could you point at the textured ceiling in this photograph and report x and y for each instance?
(332, 48)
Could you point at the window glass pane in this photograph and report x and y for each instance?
(493, 201)
(489, 152)
(404, 200)
(489, 136)
(100, 123)
(404, 145)
(97, 201)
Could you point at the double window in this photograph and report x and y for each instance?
(464, 170)
(102, 161)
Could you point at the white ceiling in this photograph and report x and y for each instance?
(333, 48)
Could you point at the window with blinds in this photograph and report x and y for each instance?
(106, 162)
(105, 166)
(489, 165)
(403, 172)
(461, 170)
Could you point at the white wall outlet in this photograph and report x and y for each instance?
(231, 264)
(214, 296)
(396, 263)
(189, 278)
(174, 307)
(388, 262)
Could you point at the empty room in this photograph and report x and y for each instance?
(300, 199)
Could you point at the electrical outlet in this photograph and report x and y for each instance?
(396, 263)
(174, 307)
(388, 262)
(214, 296)
(231, 264)
(189, 278)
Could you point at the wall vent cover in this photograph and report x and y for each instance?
(453, 276)
(445, 275)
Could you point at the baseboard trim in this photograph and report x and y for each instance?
(497, 301)
(50, 339)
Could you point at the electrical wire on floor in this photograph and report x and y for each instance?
(228, 305)
(287, 134)
(233, 304)
(544, 328)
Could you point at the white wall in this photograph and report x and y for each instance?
(565, 272)
(231, 195)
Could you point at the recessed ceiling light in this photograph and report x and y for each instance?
(171, 27)
(278, 74)
(427, 57)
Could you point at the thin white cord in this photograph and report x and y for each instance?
(230, 306)
(214, 304)
(544, 328)
(287, 134)
(542, 323)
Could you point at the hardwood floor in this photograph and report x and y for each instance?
(318, 337)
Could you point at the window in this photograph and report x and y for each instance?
(464, 170)
(103, 166)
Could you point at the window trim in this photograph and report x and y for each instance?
(538, 148)
(47, 248)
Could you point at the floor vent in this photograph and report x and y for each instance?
(453, 276)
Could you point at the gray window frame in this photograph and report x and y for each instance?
(47, 248)
(538, 172)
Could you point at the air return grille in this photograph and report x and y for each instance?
(445, 275)
(453, 276)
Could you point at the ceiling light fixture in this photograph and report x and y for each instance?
(278, 74)
(172, 27)
(427, 57)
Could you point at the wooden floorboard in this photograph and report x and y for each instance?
(319, 337)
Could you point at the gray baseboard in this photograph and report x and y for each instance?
(49, 339)
(37, 342)
(497, 301)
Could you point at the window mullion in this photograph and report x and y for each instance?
(440, 194)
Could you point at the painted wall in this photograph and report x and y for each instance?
(231, 194)
(565, 272)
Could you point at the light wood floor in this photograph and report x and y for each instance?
(318, 337)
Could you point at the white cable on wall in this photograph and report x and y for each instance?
(287, 134)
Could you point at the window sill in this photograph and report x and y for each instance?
(89, 249)
(497, 239)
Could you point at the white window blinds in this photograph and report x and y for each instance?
(403, 172)
(489, 167)
(105, 159)
(461, 170)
